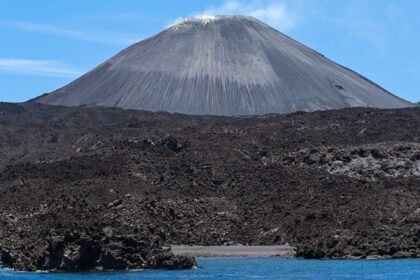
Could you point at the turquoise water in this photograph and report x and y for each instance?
(255, 268)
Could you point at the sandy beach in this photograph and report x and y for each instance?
(234, 251)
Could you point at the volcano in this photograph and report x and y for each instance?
(222, 65)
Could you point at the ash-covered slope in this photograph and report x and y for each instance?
(222, 66)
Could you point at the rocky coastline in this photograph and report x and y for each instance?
(109, 189)
(90, 251)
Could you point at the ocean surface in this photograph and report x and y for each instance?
(254, 268)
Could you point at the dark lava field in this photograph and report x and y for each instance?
(81, 182)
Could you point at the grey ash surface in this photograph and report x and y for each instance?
(222, 66)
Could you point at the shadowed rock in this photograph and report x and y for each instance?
(80, 251)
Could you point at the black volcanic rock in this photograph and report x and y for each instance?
(77, 250)
(222, 66)
(334, 184)
(7, 109)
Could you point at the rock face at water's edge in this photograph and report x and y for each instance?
(222, 65)
(77, 250)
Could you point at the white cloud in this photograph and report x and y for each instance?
(368, 32)
(275, 13)
(46, 68)
(115, 17)
(107, 37)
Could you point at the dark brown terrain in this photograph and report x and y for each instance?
(82, 182)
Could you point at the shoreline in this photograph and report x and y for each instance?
(233, 251)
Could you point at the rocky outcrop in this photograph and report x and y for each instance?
(368, 247)
(371, 162)
(81, 251)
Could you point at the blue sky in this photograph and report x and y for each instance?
(46, 43)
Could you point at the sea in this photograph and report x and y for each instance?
(253, 268)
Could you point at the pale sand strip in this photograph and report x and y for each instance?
(233, 251)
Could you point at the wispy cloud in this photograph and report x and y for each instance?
(369, 31)
(46, 68)
(117, 17)
(275, 13)
(107, 37)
